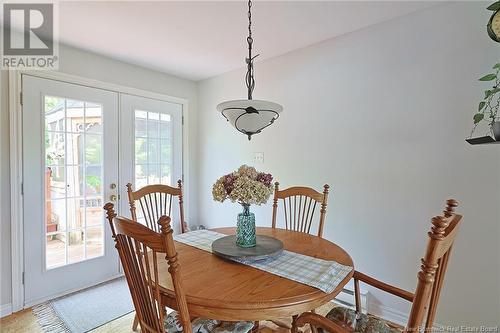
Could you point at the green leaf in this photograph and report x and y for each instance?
(494, 6)
(494, 91)
(481, 106)
(478, 117)
(489, 77)
(487, 94)
(497, 66)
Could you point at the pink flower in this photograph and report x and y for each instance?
(265, 178)
(229, 183)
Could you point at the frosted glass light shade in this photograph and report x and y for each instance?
(250, 116)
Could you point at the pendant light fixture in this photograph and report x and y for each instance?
(250, 116)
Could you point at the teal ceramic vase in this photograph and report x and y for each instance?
(245, 229)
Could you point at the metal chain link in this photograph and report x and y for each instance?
(250, 20)
(249, 78)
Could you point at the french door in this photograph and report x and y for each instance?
(151, 141)
(81, 145)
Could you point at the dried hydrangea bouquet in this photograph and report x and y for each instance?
(248, 187)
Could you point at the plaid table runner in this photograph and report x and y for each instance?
(322, 274)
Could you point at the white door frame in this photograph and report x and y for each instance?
(16, 153)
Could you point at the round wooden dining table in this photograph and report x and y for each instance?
(225, 290)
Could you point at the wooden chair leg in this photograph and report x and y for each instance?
(357, 296)
(294, 324)
(135, 324)
(313, 328)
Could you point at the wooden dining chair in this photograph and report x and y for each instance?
(140, 249)
(425, 299)
(299, 207)
(155, 201)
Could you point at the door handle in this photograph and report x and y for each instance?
(113, 197)
(112, 186)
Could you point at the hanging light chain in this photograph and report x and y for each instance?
(250, 20)
(249, 78)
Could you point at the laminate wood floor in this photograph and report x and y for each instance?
(25, 322)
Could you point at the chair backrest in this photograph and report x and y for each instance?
(155, 201)
(299, 206)
(434, 263)
(140, 249)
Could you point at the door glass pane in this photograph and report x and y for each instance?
(153, 125)
(73, 181)
(55, 215)
(55, 152)
(54, 114)
(94, 212)
(141, 178)
(165, 173)
(93, 180)
(75, 116)
(56, 246)
(75, 213)
(153, 174)
(76, 246)
(55, 182)
(94, 244)
(141, 151)
(93, 147)
(153, 148)
(165, 126)
(165, 155)
(74, 148)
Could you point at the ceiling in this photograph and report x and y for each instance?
(197, 40)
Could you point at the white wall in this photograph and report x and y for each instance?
(381, 115)
(88, 65)
(5, 263)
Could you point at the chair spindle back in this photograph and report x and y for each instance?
(299, 207)
(154, 202)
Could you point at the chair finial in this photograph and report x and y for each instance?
(439, 227)
(451, 204)
(109, 208)
(110, 215)
(276, 186)
(164, 222)
(326, 188)
(184, 227)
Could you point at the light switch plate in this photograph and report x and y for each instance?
(258, 157)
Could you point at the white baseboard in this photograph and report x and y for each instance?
(396, 316)
(393, 315)
(5, 310)
(33, 302)
(346, 298)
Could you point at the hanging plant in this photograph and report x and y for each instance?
(487, 110)
(493, 26)
(488, 107)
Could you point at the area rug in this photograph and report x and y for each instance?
(85, 310)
